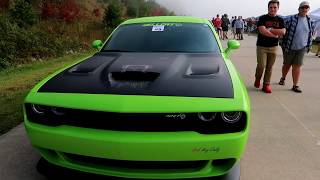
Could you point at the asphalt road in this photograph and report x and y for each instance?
(284, 141)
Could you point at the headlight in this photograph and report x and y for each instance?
(207, 116)
(58, 111)
(45, 115)
(38, 109)
(231, 117)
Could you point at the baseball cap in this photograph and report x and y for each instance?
(304, 3)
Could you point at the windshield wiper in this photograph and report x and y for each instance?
(171, 51)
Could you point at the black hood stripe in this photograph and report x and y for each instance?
(157, 74)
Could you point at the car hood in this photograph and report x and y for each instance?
(156, 74)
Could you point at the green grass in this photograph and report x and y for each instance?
(15, 83)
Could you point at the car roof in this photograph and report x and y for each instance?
(176, 19)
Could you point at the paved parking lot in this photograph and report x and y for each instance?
(284, 141)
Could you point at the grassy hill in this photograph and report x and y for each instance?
(16, 82)
(38, 36)
(35, 30)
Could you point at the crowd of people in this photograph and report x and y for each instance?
(237, 24)
(295, 34)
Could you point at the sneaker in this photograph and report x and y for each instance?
(296, 89)
(282, 81)
(257, 83)
(267, 88)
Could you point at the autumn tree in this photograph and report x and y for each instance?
(4, 4)
(66, 10)
(113, 16)
(23, 13)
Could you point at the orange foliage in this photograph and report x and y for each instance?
(67, 11)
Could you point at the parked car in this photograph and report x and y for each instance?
(160, 99)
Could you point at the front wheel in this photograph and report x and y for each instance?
(234, 174)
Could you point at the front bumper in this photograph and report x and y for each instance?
(214, 154)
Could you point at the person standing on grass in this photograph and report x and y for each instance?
(296, 43)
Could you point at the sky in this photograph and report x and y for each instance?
(246, 8)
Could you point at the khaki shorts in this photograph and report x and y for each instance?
(294, 57)
(238, 30)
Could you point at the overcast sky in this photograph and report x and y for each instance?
(246, 8)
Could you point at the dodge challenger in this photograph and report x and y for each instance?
(160, 99)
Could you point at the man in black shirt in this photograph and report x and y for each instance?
(270, 28)
(225, 26)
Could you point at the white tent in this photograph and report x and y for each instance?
(315, 15)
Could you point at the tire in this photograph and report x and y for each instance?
(234, 173)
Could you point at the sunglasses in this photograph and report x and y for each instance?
(304, 7)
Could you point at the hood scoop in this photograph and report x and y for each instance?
(134, 73)
(132, 79)
(134, 76)
(91, 64)
(202, 70)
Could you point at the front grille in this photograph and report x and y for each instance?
(138, 122)
(147, 165)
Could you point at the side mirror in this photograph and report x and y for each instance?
(232, 44)
(97, 44)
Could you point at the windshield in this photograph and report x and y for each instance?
(163, 37)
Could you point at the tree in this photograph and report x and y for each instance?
(112, 17)
(49, 10)
(23, 14)
(66, 10)
(69, 11)
(96, 12)
(4, 4)
(139, 8)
